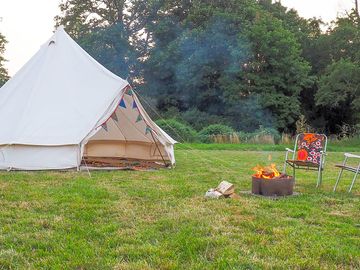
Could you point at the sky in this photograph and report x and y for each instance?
(27, 24)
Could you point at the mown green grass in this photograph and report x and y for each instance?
(161, 220)
(342, 146)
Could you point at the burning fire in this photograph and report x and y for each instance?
(267, 172)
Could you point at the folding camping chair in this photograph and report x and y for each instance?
(345, 167)
(309, 153)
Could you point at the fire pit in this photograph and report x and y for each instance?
(268, 181)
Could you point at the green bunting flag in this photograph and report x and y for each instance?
(129, 91)
(148, 129)
(139, 118)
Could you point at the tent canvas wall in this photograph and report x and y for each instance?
(63, 105)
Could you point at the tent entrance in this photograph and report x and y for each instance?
(131, 150)
(125, 136)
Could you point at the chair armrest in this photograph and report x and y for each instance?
(351, 155)
(289, 150)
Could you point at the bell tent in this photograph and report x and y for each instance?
(63, 107)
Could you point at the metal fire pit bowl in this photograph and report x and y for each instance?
(282, 186)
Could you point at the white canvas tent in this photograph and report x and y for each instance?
(63, 105)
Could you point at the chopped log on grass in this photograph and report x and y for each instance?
(226, 188)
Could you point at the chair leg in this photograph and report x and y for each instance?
(285, 163)
(338, 179)
(294, 171)
(353, 181)
(319, 180)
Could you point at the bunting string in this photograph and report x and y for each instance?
(122, 104)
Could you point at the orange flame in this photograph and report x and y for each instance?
(267, 172)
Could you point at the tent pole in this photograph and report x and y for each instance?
(152, 135)
(82, 158)
(79, 158)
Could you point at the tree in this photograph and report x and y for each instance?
(224, 60)
(99, 27)
(3, 72)
(196, 61)
(357, 7)
(340, 41)
(339, 93)
(344, 38)
(276, 71)
(115, 32)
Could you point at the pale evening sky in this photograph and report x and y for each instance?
(27, 24)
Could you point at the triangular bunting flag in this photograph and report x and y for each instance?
(129, 92)
(114, 117)
(104, 126)
(122, 103)
(139, 118)
(148, 130)
(134, 105)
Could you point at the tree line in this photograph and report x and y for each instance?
(3, 72)
(241, 63)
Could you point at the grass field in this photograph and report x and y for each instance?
(161, 220)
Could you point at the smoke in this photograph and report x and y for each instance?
(191, 67)
(202, 70)
(249, 115)
(211, 59)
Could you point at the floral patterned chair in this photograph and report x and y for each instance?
(309, 153)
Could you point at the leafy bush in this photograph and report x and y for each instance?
(217, 129)
(245, 137)
(177, 130)
(199, 120)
